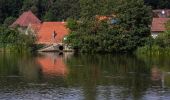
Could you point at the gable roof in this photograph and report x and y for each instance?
(158, 24)
(45, 34)
(25, 19)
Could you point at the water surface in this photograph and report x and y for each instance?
(54, 76)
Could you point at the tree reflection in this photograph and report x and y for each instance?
(123, 71)
(99, 77)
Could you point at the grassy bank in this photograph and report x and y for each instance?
(152, 50)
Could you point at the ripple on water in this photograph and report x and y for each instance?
(43, 94)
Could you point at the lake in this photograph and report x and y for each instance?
(57, 76)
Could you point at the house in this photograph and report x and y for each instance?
(158, 26)
(52, 32)
(161, 13)
(51, 35)
(33, 29)
(25, 19)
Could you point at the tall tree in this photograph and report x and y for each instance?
(62, 9)
(158, 4)
(134, 18)
(130, 30)
(30, 5)
(9, 8)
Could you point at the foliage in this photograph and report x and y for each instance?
(63, 9)
(134, 19)
(158, 4)
(9, 8)
(44, 9)
(8, 21)
(159, 45)
(13, 40)
(93, 35)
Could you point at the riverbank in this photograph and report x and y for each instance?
(153, 50)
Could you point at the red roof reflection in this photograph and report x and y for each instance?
(54, 66)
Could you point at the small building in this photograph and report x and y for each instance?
(52, 32)
(158, 26)
(161, 13)
(33, 29)
(25, 19)
(51, 35)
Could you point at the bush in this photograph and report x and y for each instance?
(8, 21)
(12, 40)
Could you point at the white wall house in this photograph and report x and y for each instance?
(158, 26)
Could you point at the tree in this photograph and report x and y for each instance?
(134, 18)
(12, 39)
(8, 21)
(63, 9)
(30, 5)
(129, 32)
(158, 4)
(89, 34)
(9, 8)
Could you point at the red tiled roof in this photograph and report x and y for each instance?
(25, 19)
(158, 24)
(48, 28)
(36, 27)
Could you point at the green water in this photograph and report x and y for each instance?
(54, 76)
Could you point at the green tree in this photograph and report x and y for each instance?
(62, 9)
(158, 4)
(129, 32)
(8, 21)
(9, 8)
(13, 40)
(30, 5)
(134, 18)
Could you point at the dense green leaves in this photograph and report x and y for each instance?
(9, 8)
(131, 30)
(13, 40)
(58, 10)
(50, 10)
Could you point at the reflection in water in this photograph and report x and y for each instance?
(52, 64)
(83, 77)
(156, 74)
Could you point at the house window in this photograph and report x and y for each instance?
(154, 34)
